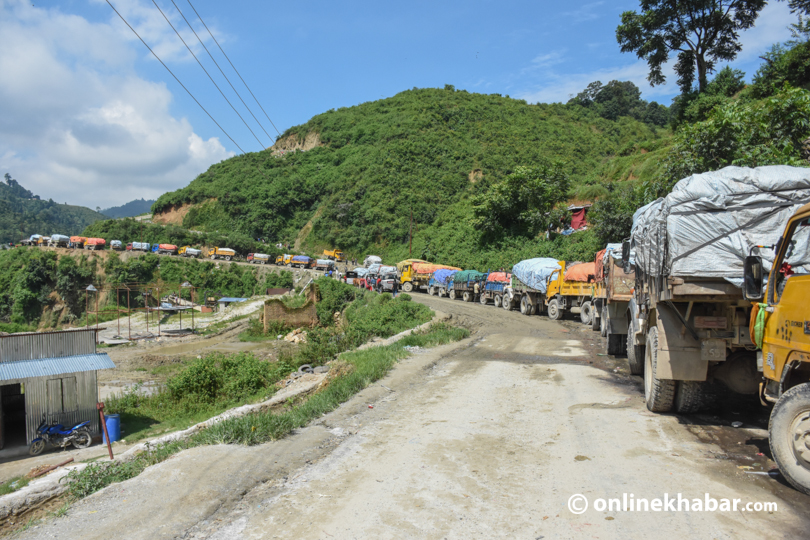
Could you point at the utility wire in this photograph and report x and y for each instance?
(223, 73)
(209, 75)
(175, 77)
(234, 67)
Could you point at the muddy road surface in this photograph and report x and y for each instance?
(487, 438)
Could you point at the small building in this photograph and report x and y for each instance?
(226, 301)
(50, 375)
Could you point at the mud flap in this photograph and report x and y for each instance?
(617, 318)
(678, 352)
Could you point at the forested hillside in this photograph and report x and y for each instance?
(130, 209)
(430, 153)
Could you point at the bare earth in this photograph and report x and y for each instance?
(487, 438)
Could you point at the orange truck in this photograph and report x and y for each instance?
(95, 243)
(78, 241)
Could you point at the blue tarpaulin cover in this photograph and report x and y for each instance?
(301, 258)
(443, 275)
(534, 272)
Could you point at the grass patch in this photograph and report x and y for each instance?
(12, 485)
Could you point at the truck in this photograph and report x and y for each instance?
(779, 326)
(465, 284)
(188, 251)
(527, 289)
(441, 282)
(302, 261)
(137, 246)
(44, 241)
(371, 259)
(494, 287)
(59, 240)
(167, 249)
(258, 258)
(95, 243)
(689, 318)
(334, 255)
(324, 265)
(116, 245)
(415, 273)
(224, 253)
(78, 241)
(283, 259)
(613, 291)
(571, 289)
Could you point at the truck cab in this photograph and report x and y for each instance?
(564, 294)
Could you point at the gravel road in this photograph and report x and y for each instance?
(486, 438)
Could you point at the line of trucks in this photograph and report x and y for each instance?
(710, 294)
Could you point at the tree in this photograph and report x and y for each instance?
(799, 6)
(700, 33)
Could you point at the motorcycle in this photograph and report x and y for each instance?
(57, 435)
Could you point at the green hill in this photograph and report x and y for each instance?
(352, 177)
(130, 209)
(22, 214)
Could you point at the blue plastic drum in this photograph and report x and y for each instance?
(113, 428)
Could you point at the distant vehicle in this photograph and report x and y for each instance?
(386, 283)
(284, 259)
(224, 253)
(95, 243)
(334, 255)
(116, 245)
(188, 251)
(258, 258)
(167, 249)
(139, 246)
(301, 261)
(59, 240)
(44, 241)
(352, 277)
(324, 265)
(78, 241)
(371, 259)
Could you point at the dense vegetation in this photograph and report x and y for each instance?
(130, 209)
(22, 214)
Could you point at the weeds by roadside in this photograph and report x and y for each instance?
(12, 485)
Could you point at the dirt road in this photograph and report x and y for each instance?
(487, 438)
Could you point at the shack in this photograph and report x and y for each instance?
(50, 375)
(226, 301)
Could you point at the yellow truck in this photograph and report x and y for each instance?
(410, 278)
(334, 255)
(224, 253)
(188, 251)
(780, 327)
(283, 260)
(564, 293)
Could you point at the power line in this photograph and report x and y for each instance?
(175, 77)
(223, 73)
(234, 67)
(209, 75)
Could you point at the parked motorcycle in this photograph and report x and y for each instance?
(57, 435)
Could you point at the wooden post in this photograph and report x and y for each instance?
(100, 407)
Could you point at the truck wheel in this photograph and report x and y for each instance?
(525, 307)
(227, 257)
(213, 257)
(635, 355)
(615, 344)
(407, 287)
(506, 303)
(467, 297)
(482, 299)
(603, 322)
(585, 313)
(452, 294)
(431, 291)
(554, 312)
(691, 397)
(789, 435)
(497, 300)
(659, 393)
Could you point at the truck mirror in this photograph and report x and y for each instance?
(626, 251)
(752, 278)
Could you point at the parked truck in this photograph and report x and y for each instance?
(689, 319)
(529, 283)
(334, 255)
(167, 249)
(571, 289)
(324, 265)
(780, 329)
(494, 287)
(302, 261)
(78, 241)
(415, 273)
(188, 251)
(441, 282)
(258, 258)
(95, 244)
(59, 240)
(137, 246)
(116, 245)
(613, 292)
(466, 283)
(224, 253)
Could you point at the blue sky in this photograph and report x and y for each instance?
(89, 117)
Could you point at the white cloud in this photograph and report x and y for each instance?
(78, 124)
(584, 13)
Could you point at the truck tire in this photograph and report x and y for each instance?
(497, 301)
(213, 257)
(407, 287)
(452, 294)
(554, 312)
(506, 303)
(467, 296)
(432, 291)
(789, 436)
(691, 397)
(603, 322)
(616, 344)
(482, 299)
(525, 306)
(659, 393)
(635, 355)
(585, 313)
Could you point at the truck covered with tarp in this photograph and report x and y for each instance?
(167, 249)
(415, 273)
(440, 282)
(613, 291)
(690, 322)
(528, 287)
(59, 240)
(494, 287)
(95, 243)
(468, 284)
(571, 289)
(134, 246)
(78, 241)
(371, 259)
(117, 245)
(321, 264)
(188, 251)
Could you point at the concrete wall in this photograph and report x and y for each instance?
(306, 315)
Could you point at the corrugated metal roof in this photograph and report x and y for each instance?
(42, 367)
(230, 299)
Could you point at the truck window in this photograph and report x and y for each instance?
(796, 261)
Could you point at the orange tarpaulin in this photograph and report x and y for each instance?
(599, 267)
(581, 272)
(429, 268)
(503, 277)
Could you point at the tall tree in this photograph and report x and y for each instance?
(700, 33)
(799, 6)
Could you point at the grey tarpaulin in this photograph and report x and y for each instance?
(708, 224)
(535, 272)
